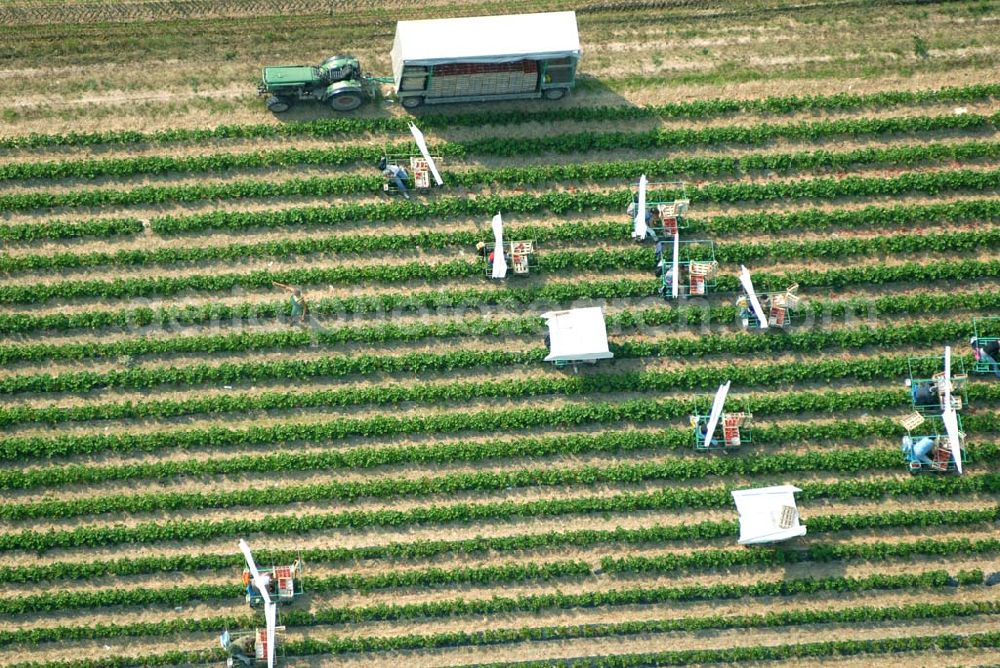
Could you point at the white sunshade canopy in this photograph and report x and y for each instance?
(760, 510)
(577, 335)
(485, 39)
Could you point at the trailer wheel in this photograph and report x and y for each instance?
(277, 105)
(346, 101)
(411, 102)
(554, 93)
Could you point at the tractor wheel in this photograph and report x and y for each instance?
(278, 104)
(411, 102)
(554, 93)
(346, 101)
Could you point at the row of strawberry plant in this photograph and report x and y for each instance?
(328, 127)
(699, 560)
(15, 447)
(420, 362)
(832, 649)
(883, 368)
(867, 217)
(124, 167)
(552, 261)
(201, 530)
(445, 484)
(534, 633)
(954, 242)
(341, 185)
(362, 457)
(932, 183)
(558, 261)
(742, 655)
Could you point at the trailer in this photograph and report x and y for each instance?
(485, 58)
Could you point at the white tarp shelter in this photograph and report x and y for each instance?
(768, 514)
(485, 39)
(577, 335)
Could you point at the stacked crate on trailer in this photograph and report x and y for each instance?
(484, 58)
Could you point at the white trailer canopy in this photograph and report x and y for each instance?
(577, 335)
(485, 39)
(768, 514)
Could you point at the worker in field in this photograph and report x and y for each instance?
(921, 451)
(652, 215)
(300, 309)
(924, 394)
(987, 353)
(396, 174)
(241, 649)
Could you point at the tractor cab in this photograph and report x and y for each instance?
(934, 444)
(986, 346)
(656, 212)
(735, 427)
(283, 584)
(686, 268)
(337, 82)
(936, 382)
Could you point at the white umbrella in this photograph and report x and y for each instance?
(418, 137)
(639, 231)
(499, 263)
(754, 302)
(675, 280)
(717, 404)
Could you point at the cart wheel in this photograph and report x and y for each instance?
(277, 104)
(346, 101)
(554, 93)
(411, 102)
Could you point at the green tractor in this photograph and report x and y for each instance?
(338, 83)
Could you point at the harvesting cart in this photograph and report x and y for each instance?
(516, 255)
(986, 345)
(934, 395)
(735, 426)
(934, 444)
(686, 268)
(576, 336)
(656, 218)
(471, 59)
(770, 309)
(259, 646)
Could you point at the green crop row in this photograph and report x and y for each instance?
(18, 447)
(123, 167)
(700, 560)
(62, 229)
(419, 362)
(747, 655)
(929, 580)
(733, 253)
(534, 633)
(931, 183)
(452, 483)
(362, 457)
(327, 186)
(693, 109)
(741, 374)
(151, 532)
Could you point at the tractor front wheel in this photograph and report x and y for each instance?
(277, 104)
(346, 101)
